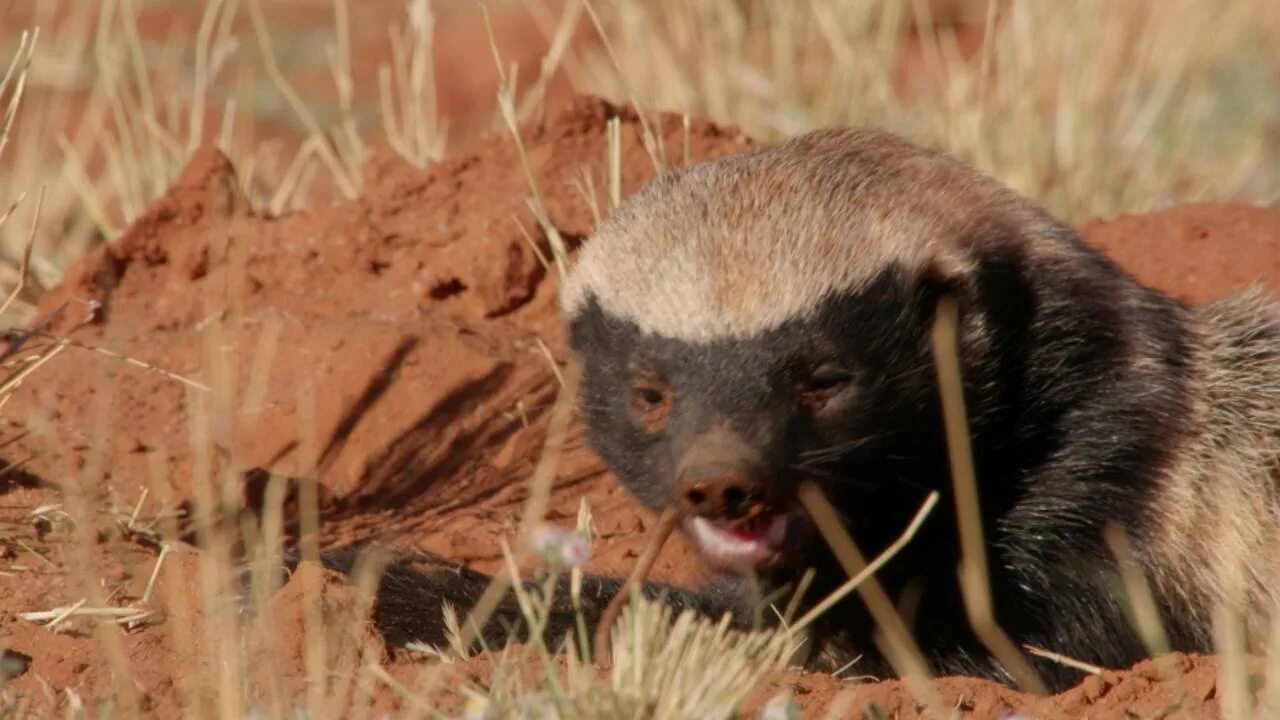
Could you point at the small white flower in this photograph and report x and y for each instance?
(561, 548)
(546, 540)
(577, 550)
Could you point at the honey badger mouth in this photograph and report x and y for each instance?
(765, 538)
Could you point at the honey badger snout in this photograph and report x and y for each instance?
(719, 477)
(717, 490)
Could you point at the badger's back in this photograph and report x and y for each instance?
(1215, 538)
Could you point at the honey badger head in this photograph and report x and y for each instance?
(761, 318)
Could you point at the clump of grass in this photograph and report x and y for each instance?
(126, 146)
(17, 359)
(135, 113)
(12, 85)
(412, 125)
(341, 151)
(659, 670)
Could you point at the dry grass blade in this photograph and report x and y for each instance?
(652, 143)
(17, 74)
(897, 643)
(13, 206)
(506, 104)
(614, 162)
(418, 135)
(57, 615)
(155, 574)
(290, 185)
(974, 576)
(557, 431)
(535, 505)
(9, 383)
(1271, 697)
(535, 98)
(340, 67)
(345, 177)
(1064, 660)
(91, 200)
(883, 558)
(1234, 678)
(66, 341)
(658, 536)
(203, 58)
(26, 255)
(1144, 612)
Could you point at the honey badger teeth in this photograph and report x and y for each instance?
(730, 548)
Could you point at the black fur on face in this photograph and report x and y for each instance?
(846, 398)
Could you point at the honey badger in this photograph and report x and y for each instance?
(750, 321)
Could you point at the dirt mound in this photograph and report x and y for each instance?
(1196, 252)
(419, 323)
(403, 350)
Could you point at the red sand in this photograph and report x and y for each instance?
(412, 319)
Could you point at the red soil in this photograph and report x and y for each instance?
(412, 322)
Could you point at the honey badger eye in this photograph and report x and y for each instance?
(651, 400)
(649, 395)
(817, 387)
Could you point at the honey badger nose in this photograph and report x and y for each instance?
(717, 490)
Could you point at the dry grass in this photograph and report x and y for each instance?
(1090, 107)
